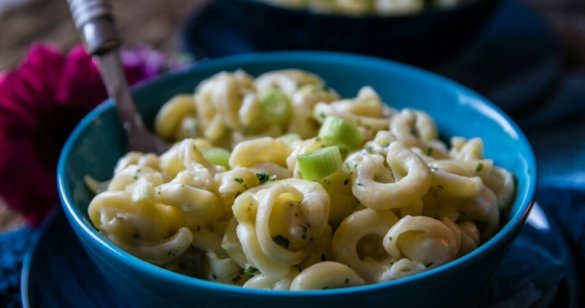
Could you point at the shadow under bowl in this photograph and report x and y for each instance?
(98, 142)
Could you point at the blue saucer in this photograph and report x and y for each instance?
(537, 272)
(515, 61)
(57, 272)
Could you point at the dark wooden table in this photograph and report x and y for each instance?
(155, 22)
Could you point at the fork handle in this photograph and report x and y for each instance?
(95, 21)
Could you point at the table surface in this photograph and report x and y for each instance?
(27, 21)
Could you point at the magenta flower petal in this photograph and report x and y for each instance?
(27, 185)
(80, 83)
(40, 103)
(142, 63)
(31, 85)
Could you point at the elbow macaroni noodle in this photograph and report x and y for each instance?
(401, 203)
(364, 7)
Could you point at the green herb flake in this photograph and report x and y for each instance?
(346, 280)
(262, 177)
(239, 180)
(345, 182)
(281, 241)
(323, 258)
(440, 186)
(479, 167)
(250, 270)
(429, 151)
(360, 184)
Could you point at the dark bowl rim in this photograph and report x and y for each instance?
(426, 12)
(502, 238)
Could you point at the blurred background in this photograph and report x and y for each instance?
(158, 23)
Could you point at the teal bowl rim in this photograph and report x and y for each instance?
(504, 236)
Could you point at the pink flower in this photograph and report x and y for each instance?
(40, 103)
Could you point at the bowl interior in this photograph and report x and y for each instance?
(98, 141)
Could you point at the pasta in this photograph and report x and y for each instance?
(364, 7)
(276, 182)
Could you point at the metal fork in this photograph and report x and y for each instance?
(95, 22)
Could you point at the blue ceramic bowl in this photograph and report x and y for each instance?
(98, 141)
(423, 39)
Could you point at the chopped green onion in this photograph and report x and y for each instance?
(339, 132)
(320, 163)
(250, 270)
(217, 156)
(289, 138)
(275, 106)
